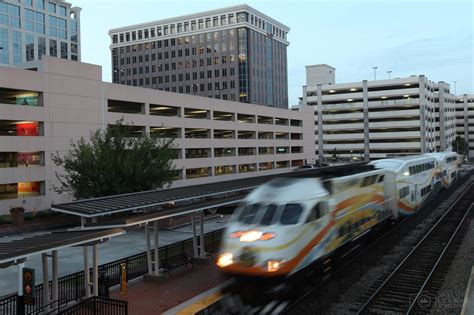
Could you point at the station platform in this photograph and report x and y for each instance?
(468, 305)
(159, 297)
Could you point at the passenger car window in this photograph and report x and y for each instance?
(291, 214)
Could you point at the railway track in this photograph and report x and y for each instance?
(429, 285)
(411, 287)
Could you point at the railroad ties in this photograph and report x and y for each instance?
(412, 286)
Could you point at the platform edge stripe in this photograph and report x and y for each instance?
(198, 298)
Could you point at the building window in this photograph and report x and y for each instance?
(30, 47)
(62, 10)
(57, 27)
(34, 21)
(9, 15)
(52, 7)
(41, 47)
(64, 54)
(16, 39)
(4, 43)
(39, 4)
(73, 31)
(242, 17)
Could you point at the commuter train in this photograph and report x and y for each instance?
(290, 223)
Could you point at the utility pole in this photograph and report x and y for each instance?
(389, 72)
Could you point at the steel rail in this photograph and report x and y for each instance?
(370, 301)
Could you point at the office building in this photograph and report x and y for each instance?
(378, 118)
(31, 29)
(216, 140)
(235, 53)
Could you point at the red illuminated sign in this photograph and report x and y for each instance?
(27, 129)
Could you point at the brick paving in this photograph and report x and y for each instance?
(156, 298)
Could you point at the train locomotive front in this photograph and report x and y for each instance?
(289, 223)
(266, 236)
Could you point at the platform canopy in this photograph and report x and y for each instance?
(90, 208)
(16, 250)
(142, 218)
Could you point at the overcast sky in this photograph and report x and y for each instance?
(407, 37)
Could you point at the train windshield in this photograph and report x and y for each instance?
(269, 214)
(291, 214)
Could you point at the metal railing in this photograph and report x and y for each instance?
(97, 305)
(71, 287)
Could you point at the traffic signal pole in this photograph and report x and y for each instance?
(20, 305)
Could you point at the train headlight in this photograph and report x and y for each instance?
(274, 265)
(252, 236)
(225, 260)
(406, 173)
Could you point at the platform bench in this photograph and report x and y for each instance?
(176, 261)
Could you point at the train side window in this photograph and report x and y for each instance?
(381, 178)
(369, 180)
(314, 214)
(411, 170)
(403, 192)
(323, 205)
(342, 231)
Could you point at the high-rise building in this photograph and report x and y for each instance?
(31, 29)
(235, 53)
(374, 119)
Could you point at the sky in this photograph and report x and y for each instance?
(407, 37)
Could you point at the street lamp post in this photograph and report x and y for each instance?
(455, 87)
(389, 72)
(375, 72)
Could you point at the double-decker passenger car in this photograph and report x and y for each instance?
(447, 168)
(414, 177)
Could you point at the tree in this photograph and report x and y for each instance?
(113, 161)
(460, 146)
